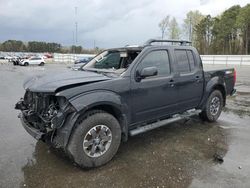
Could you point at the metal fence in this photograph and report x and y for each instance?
(226, 59)
(69, 58)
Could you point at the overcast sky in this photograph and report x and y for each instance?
(109, 23)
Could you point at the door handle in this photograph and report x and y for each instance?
(197, 78)
(171, 82)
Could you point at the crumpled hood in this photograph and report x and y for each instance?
(50, 82)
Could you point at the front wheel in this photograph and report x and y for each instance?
(213, 107)
(41, 64)
(95, 140)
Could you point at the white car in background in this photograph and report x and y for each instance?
(33, 61)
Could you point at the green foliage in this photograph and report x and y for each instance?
(174, 30)
(243, 18)
(203, 34)
(228, 33)
(76, 49)
(225, 32)
(163, 25)
(35, 46)
(192, 19)
(243, 22)
(169, 28)
(13, 45)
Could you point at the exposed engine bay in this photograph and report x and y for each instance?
(43, 111)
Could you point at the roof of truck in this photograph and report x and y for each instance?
(170, 42)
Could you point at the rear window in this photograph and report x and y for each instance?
(185, 61)
(191, 59)
(182, 61)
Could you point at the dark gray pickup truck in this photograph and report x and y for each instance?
(120, 93)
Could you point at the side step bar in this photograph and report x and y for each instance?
(161, 123)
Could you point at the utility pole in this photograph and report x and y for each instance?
(73, 41)
(76, 24)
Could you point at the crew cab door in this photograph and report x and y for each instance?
(189, 82)
(153, 96)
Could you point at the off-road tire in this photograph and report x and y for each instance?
(86, 123)
(206, 114)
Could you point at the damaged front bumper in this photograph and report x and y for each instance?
(37, 134)
(56, 131)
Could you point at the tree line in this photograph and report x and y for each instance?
(227, 33)
(36, 46)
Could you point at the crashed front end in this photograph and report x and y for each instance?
(42, 114)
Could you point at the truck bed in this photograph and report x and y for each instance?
(227, 75)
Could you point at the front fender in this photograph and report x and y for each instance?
(88, 100)
(101, 98)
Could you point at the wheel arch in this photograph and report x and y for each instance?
(100, 100)
(222, 89)
(116, 112)
(216, 83)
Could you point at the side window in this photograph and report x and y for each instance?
(191, 59)
(182, 61)
(158, 59)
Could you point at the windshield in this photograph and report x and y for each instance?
(112, 61)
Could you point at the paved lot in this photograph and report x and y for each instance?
(177, 155)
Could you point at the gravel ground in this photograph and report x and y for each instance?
(177, 155)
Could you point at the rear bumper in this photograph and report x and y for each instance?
(31, 130)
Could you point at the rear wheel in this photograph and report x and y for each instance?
(26, 64)
(95, 139)
(213, 107)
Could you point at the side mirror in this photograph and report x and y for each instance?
(147, 72)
